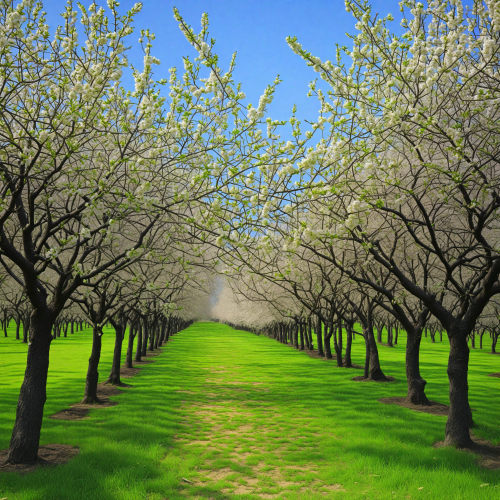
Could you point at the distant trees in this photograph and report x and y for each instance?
(90, 171)
(401, 194)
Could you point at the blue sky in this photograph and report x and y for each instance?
(256, 30)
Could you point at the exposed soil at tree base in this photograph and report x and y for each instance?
(494, 375)
(80, 411)
(48, 455)
(488, 454)
(435, 408)
(386, 380)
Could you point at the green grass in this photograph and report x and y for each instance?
(242, 416)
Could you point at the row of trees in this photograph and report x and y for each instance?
(395, 207)
(108, 195)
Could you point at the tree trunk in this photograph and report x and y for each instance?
(90, 396)
(376, 372)
(114, 376)
(138, 349)
(367, 357)
(25, 332)
(152, 335)
(300, 326)
(319, 336)
(309, 333)
(25, 439)
(145, 335)
(130, 347)
(327, 332)
(337, 341)
(347, 357)
(18, 324)
(416, 384)
(460, 416)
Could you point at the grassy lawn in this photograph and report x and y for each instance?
(241, 416)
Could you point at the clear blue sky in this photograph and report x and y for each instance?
(256, 30)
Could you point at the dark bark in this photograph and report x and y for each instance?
(152, 332)
(300, 326)
(114, 376)
(460, 415)
(309, 333)
(319, 338)
(416, 384)
(337, 342)
(347, 357)
(389, 335)
(145, 335)
(90, 395)
(18, 323)
(327, 333)
(29, 413)
(138, 349)
(130, 347)
(376, 372)
(367, 356)
(25, 331)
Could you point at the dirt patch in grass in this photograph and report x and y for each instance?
(150, 354)
(48, 455)
(80, 411)
(128, 372)
(489, 455)
(434, 409)
(387, 379)
(494, 375)
(241, 445)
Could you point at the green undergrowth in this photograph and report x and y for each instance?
(226, 414)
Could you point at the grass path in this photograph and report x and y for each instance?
(241, 416)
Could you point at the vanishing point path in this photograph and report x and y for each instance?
(249, 417)
(223, 414)
(258, 419)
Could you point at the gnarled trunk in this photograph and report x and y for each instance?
(29, 413)
(114, 376)
(138, 349)
(319, 338)
(460, 415)
(416, 384)
(376, 372)
(90, 396)
(347, 357)
(145, 333)
(130, 347)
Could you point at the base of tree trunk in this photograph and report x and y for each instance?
(90, 400)
(50, 454)
(115, 381)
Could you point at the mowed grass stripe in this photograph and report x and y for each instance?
(242, 416)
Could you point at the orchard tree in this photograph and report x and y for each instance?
(81, 155)
(414, 143)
